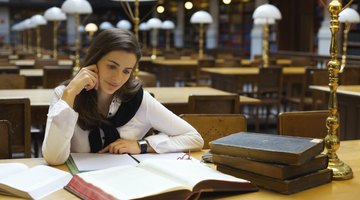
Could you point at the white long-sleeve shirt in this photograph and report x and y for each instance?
(63, 135)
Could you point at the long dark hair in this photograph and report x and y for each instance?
(86, 102)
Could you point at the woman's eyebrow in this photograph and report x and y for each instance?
(115, 63)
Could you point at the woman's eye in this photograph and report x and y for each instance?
(126, 71)
(112, 66)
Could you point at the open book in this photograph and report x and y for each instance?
(155, 179)
(17, 179)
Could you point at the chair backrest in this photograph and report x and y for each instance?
(148, 79)
(213, 104)
(54, 75)
(350, 76)
(17, 111)
(12, 81)
(214, 126)
(303, 123)
(5, 142)
(9, 70)
(41, 62)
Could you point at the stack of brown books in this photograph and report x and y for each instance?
(284, 164)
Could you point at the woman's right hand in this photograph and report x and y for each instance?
(86, 78)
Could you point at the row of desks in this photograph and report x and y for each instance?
(174, 98)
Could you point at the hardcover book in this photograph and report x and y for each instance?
(268, 147)
(279, 171)
(288, 186)
(155, 179)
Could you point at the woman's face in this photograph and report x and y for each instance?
(114, 70)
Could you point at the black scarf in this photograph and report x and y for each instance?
(126, 111)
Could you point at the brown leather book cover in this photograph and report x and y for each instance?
(279, 171)
(288, 186)
(282, 149)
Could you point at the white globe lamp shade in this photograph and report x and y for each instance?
(267, 11)
(349, 15)
(54, 14)
(154, 23)
(105, 25)
(76, 7)
(124, 24)
(262, 21)
(91, 27)
(168, 25)
(38, 20)
(143, 27)
(29, 24)
(201, 17)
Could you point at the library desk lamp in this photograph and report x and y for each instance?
(76, 7)
(347, 17)
(105, 25)
(266, 15)
(341, 171)
(17, 29)
(21, 28)
(168, 25)
(124, 24)
(144, 28)
(201, 17)
(154, 24)
(91, 28)
(38, 20)
(55, 15)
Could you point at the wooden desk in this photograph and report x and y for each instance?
(349, 189)
(29, 63)
(348, 97)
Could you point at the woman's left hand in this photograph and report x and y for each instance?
(121, 146)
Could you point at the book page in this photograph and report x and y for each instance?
(186, 172)
(129, 182)
(11, 168)
(37, 181)
(96, 161)
(166, 156)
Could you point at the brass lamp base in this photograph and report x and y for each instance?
(341, 171)
(75, 70)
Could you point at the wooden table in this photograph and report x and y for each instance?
(349, 189)
(348, 98)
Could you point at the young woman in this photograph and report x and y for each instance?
(104, 109)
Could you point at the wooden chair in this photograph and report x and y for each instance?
(213, 104)
(9, 70)
(12, 81)
(6, 132)
(350, 76)
(42, 62)
(54, 75)
(308, 99)
(303, 123)
(17, 111)
(214, 126)
(148, 79)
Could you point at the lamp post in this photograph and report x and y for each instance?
(55, 15)
(38, 20)
(105, 25)
(167, 25)
(347, 17)
(144, 28)
(124, 24)
(76, 7)
(265, 15)
(201, 17)
(91, 28)
(28, 26)
(341, 171)
(154, 24)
